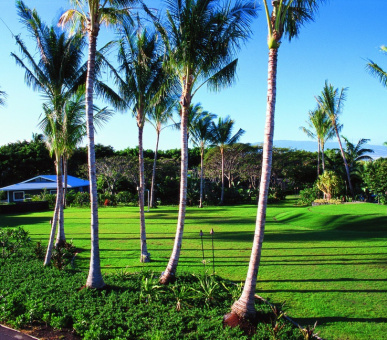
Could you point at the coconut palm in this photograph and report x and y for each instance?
(57, 75)
(356, 154)
(73, 127)
(320, 128)
(285, 18)
(195, 111)
(331, 101)
(201, 37)
(221, 137)
(158, 117)
(88, 16)
(140, 61)
(201, 136)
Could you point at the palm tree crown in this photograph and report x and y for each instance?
(377, 71)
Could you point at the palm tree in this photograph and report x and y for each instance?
(158, 117)
(89, 15)
(3, 96)
(356, 154)
(57, 74)
(201, 136)
(331, 101)
(222, 137)
(285, 19)
(320, 128)
(200, 37)
(140, 60)
(54, 141)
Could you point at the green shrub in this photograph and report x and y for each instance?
(308, 196)
(12, 241)
(132, 306)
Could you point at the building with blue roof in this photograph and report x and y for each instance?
(35, 186)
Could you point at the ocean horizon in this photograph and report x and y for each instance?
(311, 146)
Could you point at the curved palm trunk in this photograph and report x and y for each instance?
(345, 163)
(94, 279)
(222, 192)
(58, 202)
(169, 274)
(244, 307)
(152, 198)
(201, 176)
(145, 256)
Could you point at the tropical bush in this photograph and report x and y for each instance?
(308, 196)
(132, 306)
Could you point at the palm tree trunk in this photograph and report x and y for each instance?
(244, 307)
(318, 157)
(345, 164)
(94, 279)
(54, 223)
(222, 192)
(169, 274)
(322, 156)
(65, 162)
(152, 198)
(201, 177)
(145, 256)
(60, 237)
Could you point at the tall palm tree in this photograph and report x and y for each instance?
(89, 15)
(320, 128)
(285, 19)
(331, 101)
(158, 117)
(3, 96)
(200, 37)
(221, 137)
(201, 136)
(57, 75)
(140, 60)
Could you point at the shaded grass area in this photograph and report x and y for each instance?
(327, 262)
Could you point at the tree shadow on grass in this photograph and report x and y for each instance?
(290, 236)
(333, 319)
(344, 222)
(22, 220)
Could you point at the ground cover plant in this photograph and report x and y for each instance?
(327, 262)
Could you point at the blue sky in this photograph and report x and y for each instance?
(335, 48)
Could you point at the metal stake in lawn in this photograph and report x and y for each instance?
(201, 237)
(213, 253)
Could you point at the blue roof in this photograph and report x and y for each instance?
(45, 182)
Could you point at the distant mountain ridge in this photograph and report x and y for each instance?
(379, 150)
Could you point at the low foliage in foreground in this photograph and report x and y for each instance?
(133, 305)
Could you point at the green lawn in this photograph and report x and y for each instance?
(328, 263)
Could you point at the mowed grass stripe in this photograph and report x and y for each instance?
(328, 263)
